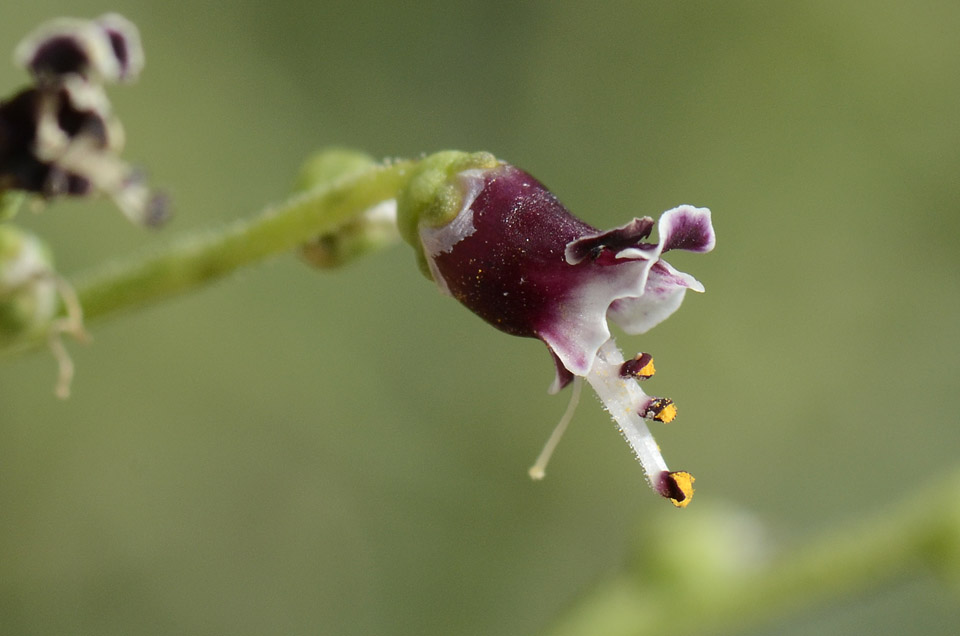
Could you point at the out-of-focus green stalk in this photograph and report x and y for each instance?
(916, 537)
(204, 257)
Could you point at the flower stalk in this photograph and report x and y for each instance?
(204, 257)
(199, 259)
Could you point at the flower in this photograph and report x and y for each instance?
(497, 240)
(59, 137)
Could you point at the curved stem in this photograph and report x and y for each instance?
(922, 533)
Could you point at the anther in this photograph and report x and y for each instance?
(660, 409)
(677, 486)
(640, 367)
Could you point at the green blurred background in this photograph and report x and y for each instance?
(294, 452)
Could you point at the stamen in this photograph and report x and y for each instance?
(623, 399)
(539, 468)
(660, 409)
(640, 367)
(677, 487)
(123, 184)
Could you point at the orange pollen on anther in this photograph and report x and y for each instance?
(678, 487)
(640, 367)
(647, 371)
(661, 409)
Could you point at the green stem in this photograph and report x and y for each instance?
(922, 533)
(201, 258)
(197, 260)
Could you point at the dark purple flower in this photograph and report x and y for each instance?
(60, 137)
(514, 255)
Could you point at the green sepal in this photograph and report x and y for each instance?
(433, 196)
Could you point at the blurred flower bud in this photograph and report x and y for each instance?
(695, 556)
(31, 294)
(28, 295)
(373, 229)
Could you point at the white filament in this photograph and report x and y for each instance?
(623, 399)
(539, 468)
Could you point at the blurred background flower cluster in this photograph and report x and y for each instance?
(293, 451)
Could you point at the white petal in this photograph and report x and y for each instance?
(578, 326)
(662, 296)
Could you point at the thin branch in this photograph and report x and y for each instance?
(197, 260)
(921, 534)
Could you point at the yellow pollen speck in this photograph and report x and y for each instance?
(684, 482)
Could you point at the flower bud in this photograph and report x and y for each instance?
(28, 295)
(372, 229)
(31, 293)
